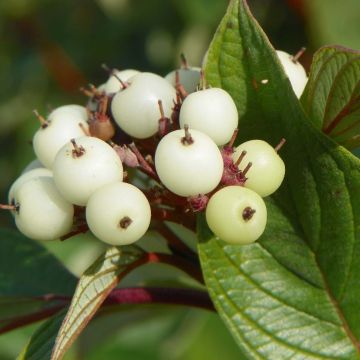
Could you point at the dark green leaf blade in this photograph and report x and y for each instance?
(320, 199)
(332, 95)
(30, 280)
(272, 310)
(27, 269)
(42, 341)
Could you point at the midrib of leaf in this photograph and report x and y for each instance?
(330, 120)
(88, 296)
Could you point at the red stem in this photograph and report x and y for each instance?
(172, 296)
(31, 318)
(141, 295)
(145, 167)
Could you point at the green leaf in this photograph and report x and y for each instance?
(293, 294)
(27, 269)
(17, 312)
(42, 341)
(92, 289)
(29, 276)
(332, 95)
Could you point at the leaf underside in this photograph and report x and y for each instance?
(293, 294)
(332, 95)
(93, 287)
(29, 276)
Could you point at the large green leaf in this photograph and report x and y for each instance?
(42, 341)
(293, 294)
(93, 288)
(29, 278)
(27, 269)
(332, 95)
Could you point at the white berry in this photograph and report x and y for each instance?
(185, 168)
(118, 213)
(136, 110)
(294, 71)
(23, 178)
(43, 214)
(83, 166)
(211, 111)
(189, 78)
(72, 109)
(113, 84)
(236, 215)
(59, 129)
(34, 164)
(267, 170)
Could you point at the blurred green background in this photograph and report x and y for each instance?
(48, 49)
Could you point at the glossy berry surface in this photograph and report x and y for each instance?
(294, 71)
(188, 169)
(43, 214)
(118, 213)
(136, 110)
(211, 111)
(78, 175)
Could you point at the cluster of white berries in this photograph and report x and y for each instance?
(174, 129)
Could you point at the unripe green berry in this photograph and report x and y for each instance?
(267, 170)
(236, 215)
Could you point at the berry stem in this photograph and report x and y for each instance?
(233, 138)
(247, 168)
(295, 58)
(240, 158)
(187, 139)
(202, 83)
(82, 229)
(78, 150)
(43, 122)
(280, 145)
(184, 63)
(111, 72)
(86, 92)
(144, 165)
(161, 109)
(8, 207)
